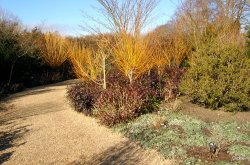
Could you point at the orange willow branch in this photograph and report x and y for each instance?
(57, 49)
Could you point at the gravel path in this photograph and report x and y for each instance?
(39, 127)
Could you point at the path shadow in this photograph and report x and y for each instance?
(5, 157)
(7, 141)
(23, 113)
(3, 108)
(8, 111)
(28, 93)
(39, 90)
(123, 153)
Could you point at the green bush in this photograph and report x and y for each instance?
(219, 77)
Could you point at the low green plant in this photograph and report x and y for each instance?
(174, 134)
(240, 152)
(219, 77)
(226, 163)
(232, 131)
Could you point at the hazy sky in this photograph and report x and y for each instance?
(66, 16)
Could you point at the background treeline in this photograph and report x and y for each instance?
(24, 57)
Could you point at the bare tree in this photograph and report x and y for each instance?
(125, 20)
(15, 41)
(203, 19)
(129, 16)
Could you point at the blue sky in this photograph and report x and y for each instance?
(66, 16)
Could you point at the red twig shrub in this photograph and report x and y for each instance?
(171, 85)
(119, 104)
(122, 101)
(82, 96)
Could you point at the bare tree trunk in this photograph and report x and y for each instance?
(11, 73)
(149, 72)
(130, 76)
(104, 73)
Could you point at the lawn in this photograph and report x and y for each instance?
(185, 137)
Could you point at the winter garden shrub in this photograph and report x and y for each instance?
(122, 101)
(82, 96)
(119, 104)
(165, 85)
(172, 81)
(219, 77)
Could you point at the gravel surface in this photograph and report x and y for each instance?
(39, 127)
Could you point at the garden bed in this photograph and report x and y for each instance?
(185, 136)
